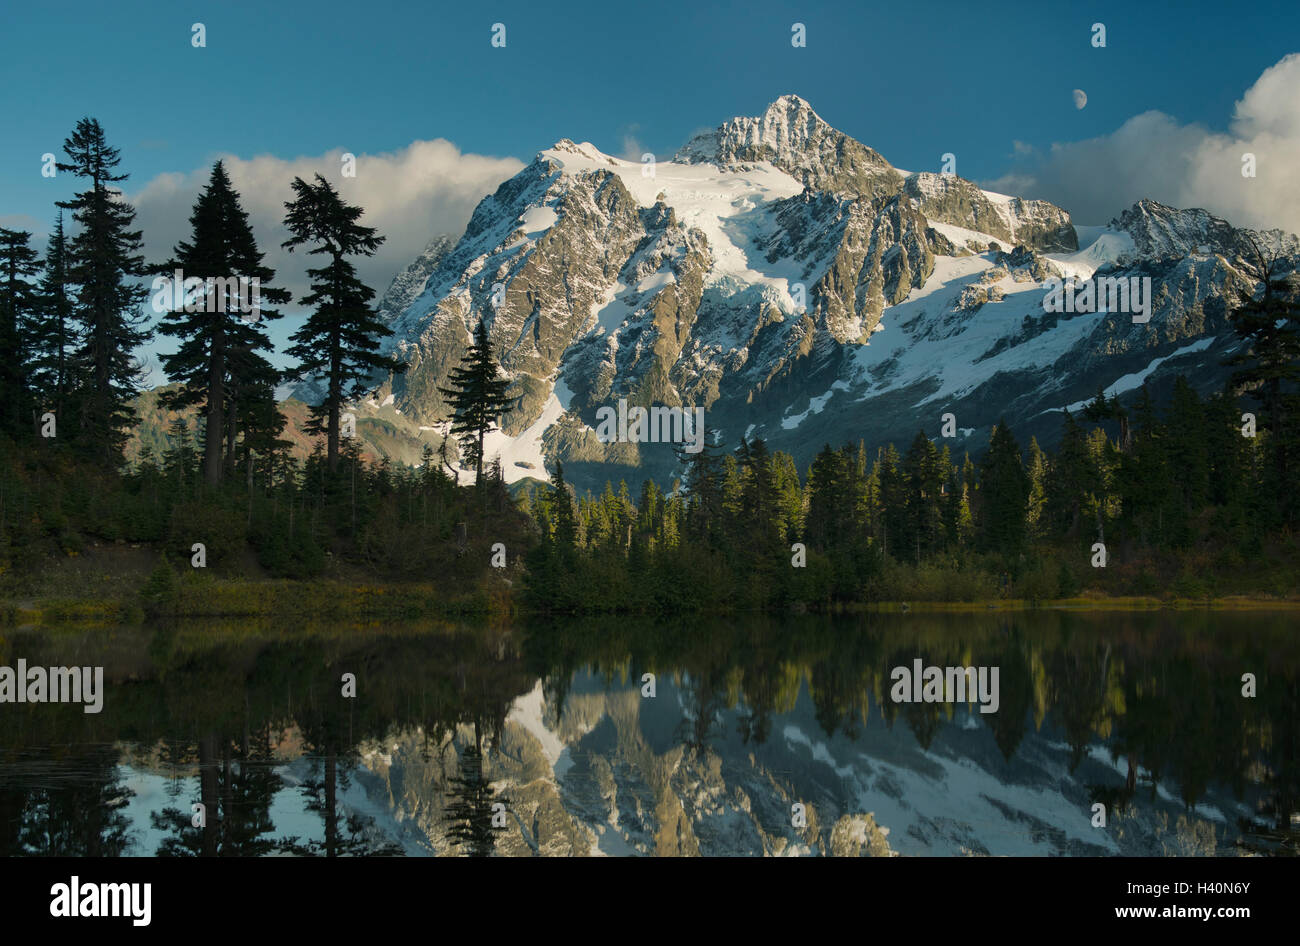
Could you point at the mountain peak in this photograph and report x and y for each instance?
(789, 103)
(566, 152)
(794, 138)
(786, 127)
(1160, 231)
(790, 123)
(599, 281)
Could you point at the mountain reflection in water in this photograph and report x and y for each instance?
(763, 736)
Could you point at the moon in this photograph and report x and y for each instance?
(1080, 98)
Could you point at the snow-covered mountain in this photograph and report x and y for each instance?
(798, 287)
(410, 282)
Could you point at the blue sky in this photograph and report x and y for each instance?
(912, 81)
(295, 79)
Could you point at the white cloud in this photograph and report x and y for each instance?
(1153, 155)
(410, 195)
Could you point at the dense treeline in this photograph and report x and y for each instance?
(69, 326)
(1176, 501)
(287, 519)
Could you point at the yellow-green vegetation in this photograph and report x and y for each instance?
(1090, 603)
(319, 600)
(1172, 505)
(1022, 530)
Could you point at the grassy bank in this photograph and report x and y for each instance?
(324, 600)
(315, 600)
(1089, 603)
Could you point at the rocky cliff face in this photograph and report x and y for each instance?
(1160, 233)
(410, 282)
(1032, 223)
(792, 283)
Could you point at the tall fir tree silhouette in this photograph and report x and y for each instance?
(50, 331)
(1005, 488)
(105, 262)
(340, 340)
(477, 395)
(221, 343)
(18, 302)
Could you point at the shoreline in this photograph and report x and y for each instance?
(335, 599)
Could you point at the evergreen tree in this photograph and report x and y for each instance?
(702, 480)
(551, 562)
(923, 478)
(340, 339)
(220, 343)
(861, 494)
(1144, 483)
(650, 509)
(789, 494)
(1226, 450)
(180, 460)
(1071, 480)
(758, 495)
(893, 503)
(733, 500)
(1035, 518)
(50, 331)
(1270, 325)
(260, 423)
(564, 527)
(1102, 409)
(104, 261)
(826, 514)
(253, 411)
(477, 397)
(1188, 458)
(18, 302)
(1107, 460)
(1005, 488)
(965, 518)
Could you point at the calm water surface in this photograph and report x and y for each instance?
(753, 736)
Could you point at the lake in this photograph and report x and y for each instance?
(1087, 734)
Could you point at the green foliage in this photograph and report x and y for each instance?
(340, 341)
(19, 301)
(219, 525)
(921, 527)
(1067, 584)
(477, 397)
(1005, 489)
(1268, 366)
(219, 362)
(50, 332)
(103, 264)
(161, 590)
(300, 521)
